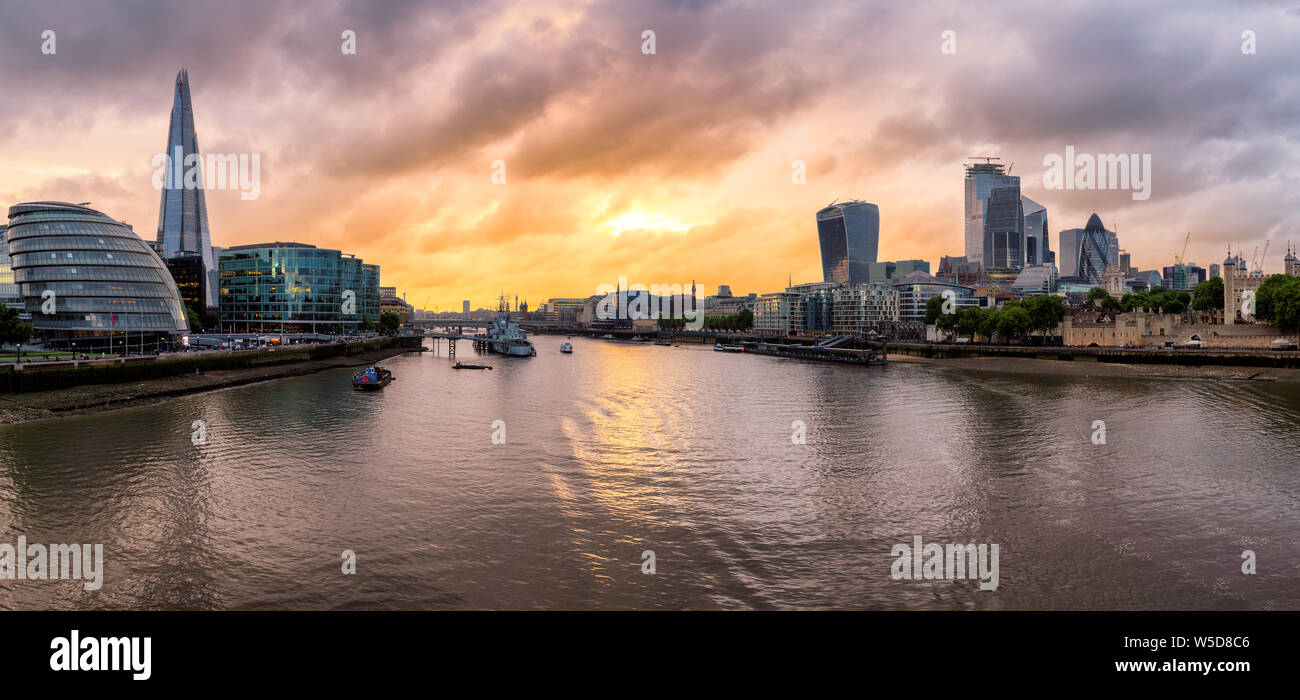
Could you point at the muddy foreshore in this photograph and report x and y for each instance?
(1025, 365)
(95, 398)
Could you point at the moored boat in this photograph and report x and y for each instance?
(720, 347)
(460, 365)
(566, 347)
(372, 378)
(505, 337)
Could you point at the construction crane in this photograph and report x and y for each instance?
(1179, 257)
(1259, 266)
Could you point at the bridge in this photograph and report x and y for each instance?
(531, 326)
(451, 334)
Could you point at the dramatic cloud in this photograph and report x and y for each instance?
(663, 168)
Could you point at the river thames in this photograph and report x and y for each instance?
(626, 447)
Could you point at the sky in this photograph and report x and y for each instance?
(661, 168)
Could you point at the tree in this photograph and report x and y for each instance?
(1097, 294)
(744, 320)
(968, 321)
(1278, 301)
(1045, 312)
(933, 308)
(988, 322)
(1208, 295)
(192, 318)
(946, 322)
(13, 330)
(1013, 322)
(390, 321)
(367, 324)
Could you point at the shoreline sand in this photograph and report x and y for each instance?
(1025, 365)
(97, 398)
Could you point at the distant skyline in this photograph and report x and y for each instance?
(661, 168)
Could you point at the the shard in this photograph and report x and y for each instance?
(183, 212)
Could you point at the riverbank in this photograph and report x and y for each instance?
(95, 398)
(1027, 365)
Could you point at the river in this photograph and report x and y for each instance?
(624, 448)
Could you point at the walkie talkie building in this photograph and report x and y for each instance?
(849, 233)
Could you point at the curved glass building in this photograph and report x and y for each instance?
(849, 233)
(107, 285)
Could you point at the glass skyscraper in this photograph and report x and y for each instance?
(183, 212)
(993, 233)
(849, 234)
(295, 287)
(1037, 249)
(1004, 230)
(1085, 252)
(102, 276)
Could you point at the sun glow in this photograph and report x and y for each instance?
(641, 221)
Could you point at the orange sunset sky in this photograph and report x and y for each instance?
(662, 168)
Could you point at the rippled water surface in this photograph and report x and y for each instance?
(620, 448)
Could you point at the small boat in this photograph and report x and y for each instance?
(607, 336)
(566, 347)
(665, 343)
(372, 378)
(460, 365)
(719, 347)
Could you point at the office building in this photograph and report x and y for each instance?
(889, 270)
(1004, 230)
(183, 211)
(1086, 252)
(296, 288)
(988, 233)
(917, 288)
(106, 287)
(849, 234)
(1038, 250)
(10, 294)
(1035, 280)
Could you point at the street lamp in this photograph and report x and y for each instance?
(20, 352)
